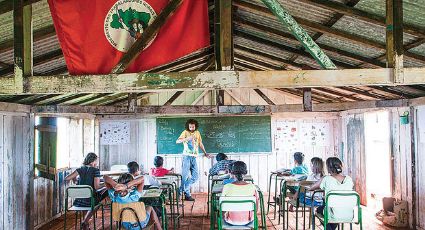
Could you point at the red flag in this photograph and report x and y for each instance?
(95, 34)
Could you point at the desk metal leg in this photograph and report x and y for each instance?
(269, 192)
(275, 193)
(212, 215)
(208, 197)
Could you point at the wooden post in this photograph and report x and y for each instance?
(283, 15)
(132, 102)
(394, 38)
(147, 36)
(22, 32)
(225, 41)
(307, 103)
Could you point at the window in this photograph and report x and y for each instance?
(45, 147)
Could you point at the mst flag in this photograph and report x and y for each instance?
(95, 34)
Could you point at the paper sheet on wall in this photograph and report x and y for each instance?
(114, 132)
(316, 134)
(287, 137)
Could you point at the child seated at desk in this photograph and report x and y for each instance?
(134, 170)
(239, 188)
(88, 174)
(298, 169)
(336, 181)
(129, 190)
(223, 164)
(316, 165)
(159, 171)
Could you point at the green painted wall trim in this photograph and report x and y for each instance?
(283, 15)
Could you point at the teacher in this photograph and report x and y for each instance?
(192, 141)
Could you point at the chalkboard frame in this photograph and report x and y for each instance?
(265, 146)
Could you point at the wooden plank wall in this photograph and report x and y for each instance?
(16, 170)
(401, 152)
(142, 148)
(48, 194)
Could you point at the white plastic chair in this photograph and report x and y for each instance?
(235, 204)
(119, 168)
(81, 192)
(342, 207)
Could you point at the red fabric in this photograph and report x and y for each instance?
(80, 28)
(159, 172)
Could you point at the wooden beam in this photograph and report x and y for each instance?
(12, 107)
(53, 109)
(147, 35)
(22, 33)
(235, 97)
(173, 98)
(265, 98)
(301, 35)
(228, 109)
(223, 29)
(151, 82)
(219, 98)
(307, 102)
(394, 37)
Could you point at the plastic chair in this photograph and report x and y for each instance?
(342, 207)
(131, 212)
(119, 168)
(83, 192)
(237, 203)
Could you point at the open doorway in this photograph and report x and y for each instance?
(378, 158)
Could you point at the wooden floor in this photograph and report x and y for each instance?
(196, 219)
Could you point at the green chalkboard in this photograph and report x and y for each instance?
(242, 134)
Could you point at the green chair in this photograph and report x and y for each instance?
(235, 204)
(81, 192)
(341, 207)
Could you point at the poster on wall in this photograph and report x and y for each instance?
(286, 136)
(114, 132)
(315, 134)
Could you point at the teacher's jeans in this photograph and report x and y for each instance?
(190, 173)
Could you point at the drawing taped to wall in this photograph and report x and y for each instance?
(114, 132)
(316, 134)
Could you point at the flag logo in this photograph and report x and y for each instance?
(126, 21)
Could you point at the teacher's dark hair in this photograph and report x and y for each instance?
(91, 157)
(191, 121)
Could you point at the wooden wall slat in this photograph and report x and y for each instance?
(8, 173)
(2, 168)
(420, 168)
(18, 175)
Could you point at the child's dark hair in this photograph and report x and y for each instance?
(220, 157)
(317, 164)
(334, 165)
(158, 161)
(90, 158)
(191, 121)
(125, 178)
(133, 167)
(239, 169)
(299, 157)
